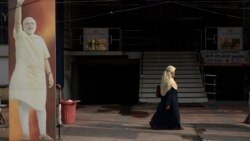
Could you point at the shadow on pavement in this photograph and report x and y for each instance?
(124, 110)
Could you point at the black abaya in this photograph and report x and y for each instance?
(165, 118)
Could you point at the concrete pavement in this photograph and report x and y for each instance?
(213, 121)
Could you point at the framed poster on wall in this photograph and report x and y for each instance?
(95, 39)
(230, 38)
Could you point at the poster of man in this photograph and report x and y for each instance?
(32, 71)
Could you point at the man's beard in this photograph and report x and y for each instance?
(30, 32)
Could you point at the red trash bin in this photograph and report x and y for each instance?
(68, 111)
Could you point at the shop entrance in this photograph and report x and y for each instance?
(107, 83)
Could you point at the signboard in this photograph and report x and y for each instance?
(95, 39)
(225, 58)
(230, 38)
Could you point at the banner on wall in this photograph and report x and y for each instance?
(230, 38)
(32, 53)
(95, 39)
(225, 58)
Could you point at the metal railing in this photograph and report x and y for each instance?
(209, 80)
(210, 84)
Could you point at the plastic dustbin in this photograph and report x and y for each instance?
(68, 111)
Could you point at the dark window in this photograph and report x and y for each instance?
(4, 22)
(3, 35)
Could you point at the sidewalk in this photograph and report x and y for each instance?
(220, 121)
(212, 121)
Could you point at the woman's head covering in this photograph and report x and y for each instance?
(171, 69)
(167, 80)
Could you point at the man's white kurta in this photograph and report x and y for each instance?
(28, 81)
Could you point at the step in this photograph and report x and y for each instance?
(159, 72)
(163, 67)
(180, 85)
(176, 77)
(180, 90)
(180, 100)
(158, 81)
(169, 60)
(170, 53)
(182, 95)
(175, 64)
(160, 56)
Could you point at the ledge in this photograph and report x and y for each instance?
(93, 53)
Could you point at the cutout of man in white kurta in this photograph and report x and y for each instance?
(28, 81)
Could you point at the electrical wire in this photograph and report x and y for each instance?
(221, 7)
(210, 11)
(181, 3)
(137, 8)
(195, 1)
(113, 12)
(166, 2)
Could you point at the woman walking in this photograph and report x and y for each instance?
(167, 115)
